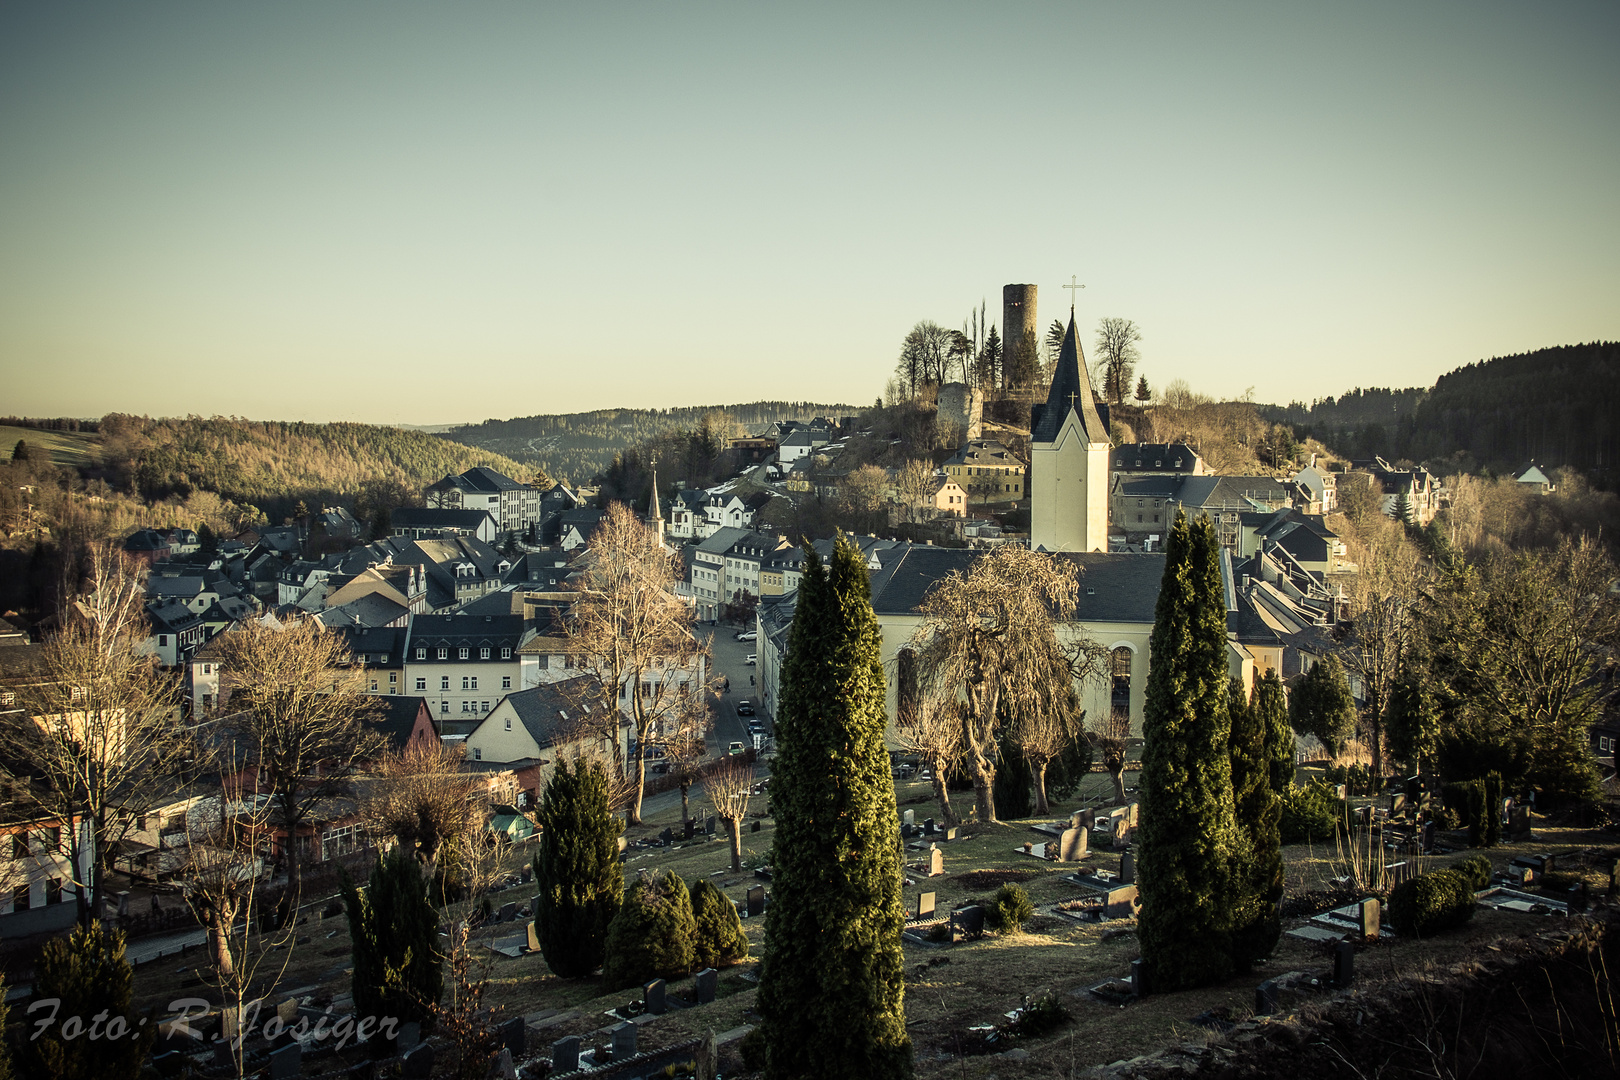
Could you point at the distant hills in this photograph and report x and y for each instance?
(1558, 406)
(579, 446)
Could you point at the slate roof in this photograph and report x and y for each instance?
(158, 586)
(984, 452)
(383, 646)
(550, 711)
(1068, 379)
(1155, 457)
(396, 717)
(481, 478)
(472, 631)
(432, 518)
(172, 617)
(372, 609)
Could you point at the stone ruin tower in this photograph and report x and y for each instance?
(961, 413)
(1017, 317)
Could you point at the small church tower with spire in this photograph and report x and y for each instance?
(1068, 460)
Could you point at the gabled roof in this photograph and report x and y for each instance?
(984, 452)
(396, 718)
(172, 617)
(1071, 389)
(411, 517)
(551, 711)
(1154, 457)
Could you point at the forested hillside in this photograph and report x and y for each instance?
(579, 446)
(272, 465)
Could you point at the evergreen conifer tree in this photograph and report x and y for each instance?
(720, 938)
(1258, 880)
(577, 870)
(653, 934)
(1271, 705)
(1186, 840)
(86, 974)
(833, 979)
(1321, 704)
(398, 965)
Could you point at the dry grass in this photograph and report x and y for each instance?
(949, 987)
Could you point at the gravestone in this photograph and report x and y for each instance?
(1266, 996)
(534, 939)
(1120, 902)
(936, 861)
(709, 824)
(287, 1011)
(909, 817)
(287, 1062)
(756, 901)
(668, 835)
(969, 920)
(534, 906)
(419, 1063)
(1519, 824)
(503, 1068)
(707, 981)
(1083, 819)
(1072, 845)
(1344, 964)
(652, 997)
(515, 1037)
(1371, 913)
(950, 833)
(1122, 832)
(565, 1054)
(1138, 978)
(754, 825)
(1341, 792)
(928, 827)
(691, 829)
(508, 911)
(925, 905)
(1127, 869)
(1428, 836)
(527, 875)
(1131, 815)
(624, 1041)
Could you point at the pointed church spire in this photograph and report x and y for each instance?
(1071, 390)
(653, 510)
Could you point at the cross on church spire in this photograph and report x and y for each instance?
(1072, 287)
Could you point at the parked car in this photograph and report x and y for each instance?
(753, 658)
(747, 635)
(735, 748)
(745, 708)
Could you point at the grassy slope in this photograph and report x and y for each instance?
(69, 448)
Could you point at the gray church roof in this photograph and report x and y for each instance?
(1070, 386)
(1114, 587)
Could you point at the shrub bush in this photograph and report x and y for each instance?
(652, 935)
(1040, 1016)
(1478, 807)
(1011, 909)
(718, 937)
(1477, 869)
(1431, 903)
(1309, 812)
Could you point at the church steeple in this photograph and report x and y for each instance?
(654, 513)
(1071, 389)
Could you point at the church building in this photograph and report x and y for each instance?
(1068, 460)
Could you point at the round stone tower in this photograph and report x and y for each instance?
(1017, 317)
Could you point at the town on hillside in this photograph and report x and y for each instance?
(572, 709)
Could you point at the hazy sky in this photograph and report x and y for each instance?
(447, 212)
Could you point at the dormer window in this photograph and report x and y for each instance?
(464, 652)
(421, 653)
(1158, 464)
(506, 652)
(483, 654)
(444, 653)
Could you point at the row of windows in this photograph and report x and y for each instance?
(464, 653)
(468, 682)
(466, 707)
(20, 897)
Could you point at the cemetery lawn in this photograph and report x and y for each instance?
(950, 988)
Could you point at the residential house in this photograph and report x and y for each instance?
(1417, 487)
(463, 664)
(1134, 461)
(380, 652)
(1143, 509)
(948, 498)
(530, 730)
(515, 507)
(1534, 477)
(988, 472)
(708, 562)
(37, 894)
(436, 523)
(1316, 489)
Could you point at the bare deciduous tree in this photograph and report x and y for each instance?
(915, 486)
(100, 726)
(728, 788)
(297, 702)
(421, 798)
(933, 730)
(633, 633)
(988, 637)
(1110, 733)
(1048, 724)
(1117, 355)
(1384, 626)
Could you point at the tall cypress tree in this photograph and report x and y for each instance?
(1257, 879)
(576, 870)
(1271, 705)
(1186, 841)
(833, 977)
(398, 965)
(88, 977)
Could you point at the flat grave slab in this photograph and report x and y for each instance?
(1316, 933)
(1527, 903)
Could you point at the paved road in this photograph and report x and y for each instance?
(731, 661)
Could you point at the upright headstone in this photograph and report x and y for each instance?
(709, 824)
(1397, 804)
(1519, 824)
(652, 997)
(1428, 836)
(950, 834)
(928, 827)
(624, 1041)
(936, 861)
(287, 1063)
(1344, 964)
(1138, 978)
(1122, 832)
(1131, 815)
(534, 938)
(419, 1063)
(508, 911)
(708, 980)
(1127, 869)
(565, 1054)
(503, 1068)
(1265, 998)
(756, 901)
(925, 905)
(909, 817)
(969, 920)
(1371, 918)
(1072, 845)
(753, 826)
(527, 875)
(668, 835)
(515, 1037)
(1121, 902)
